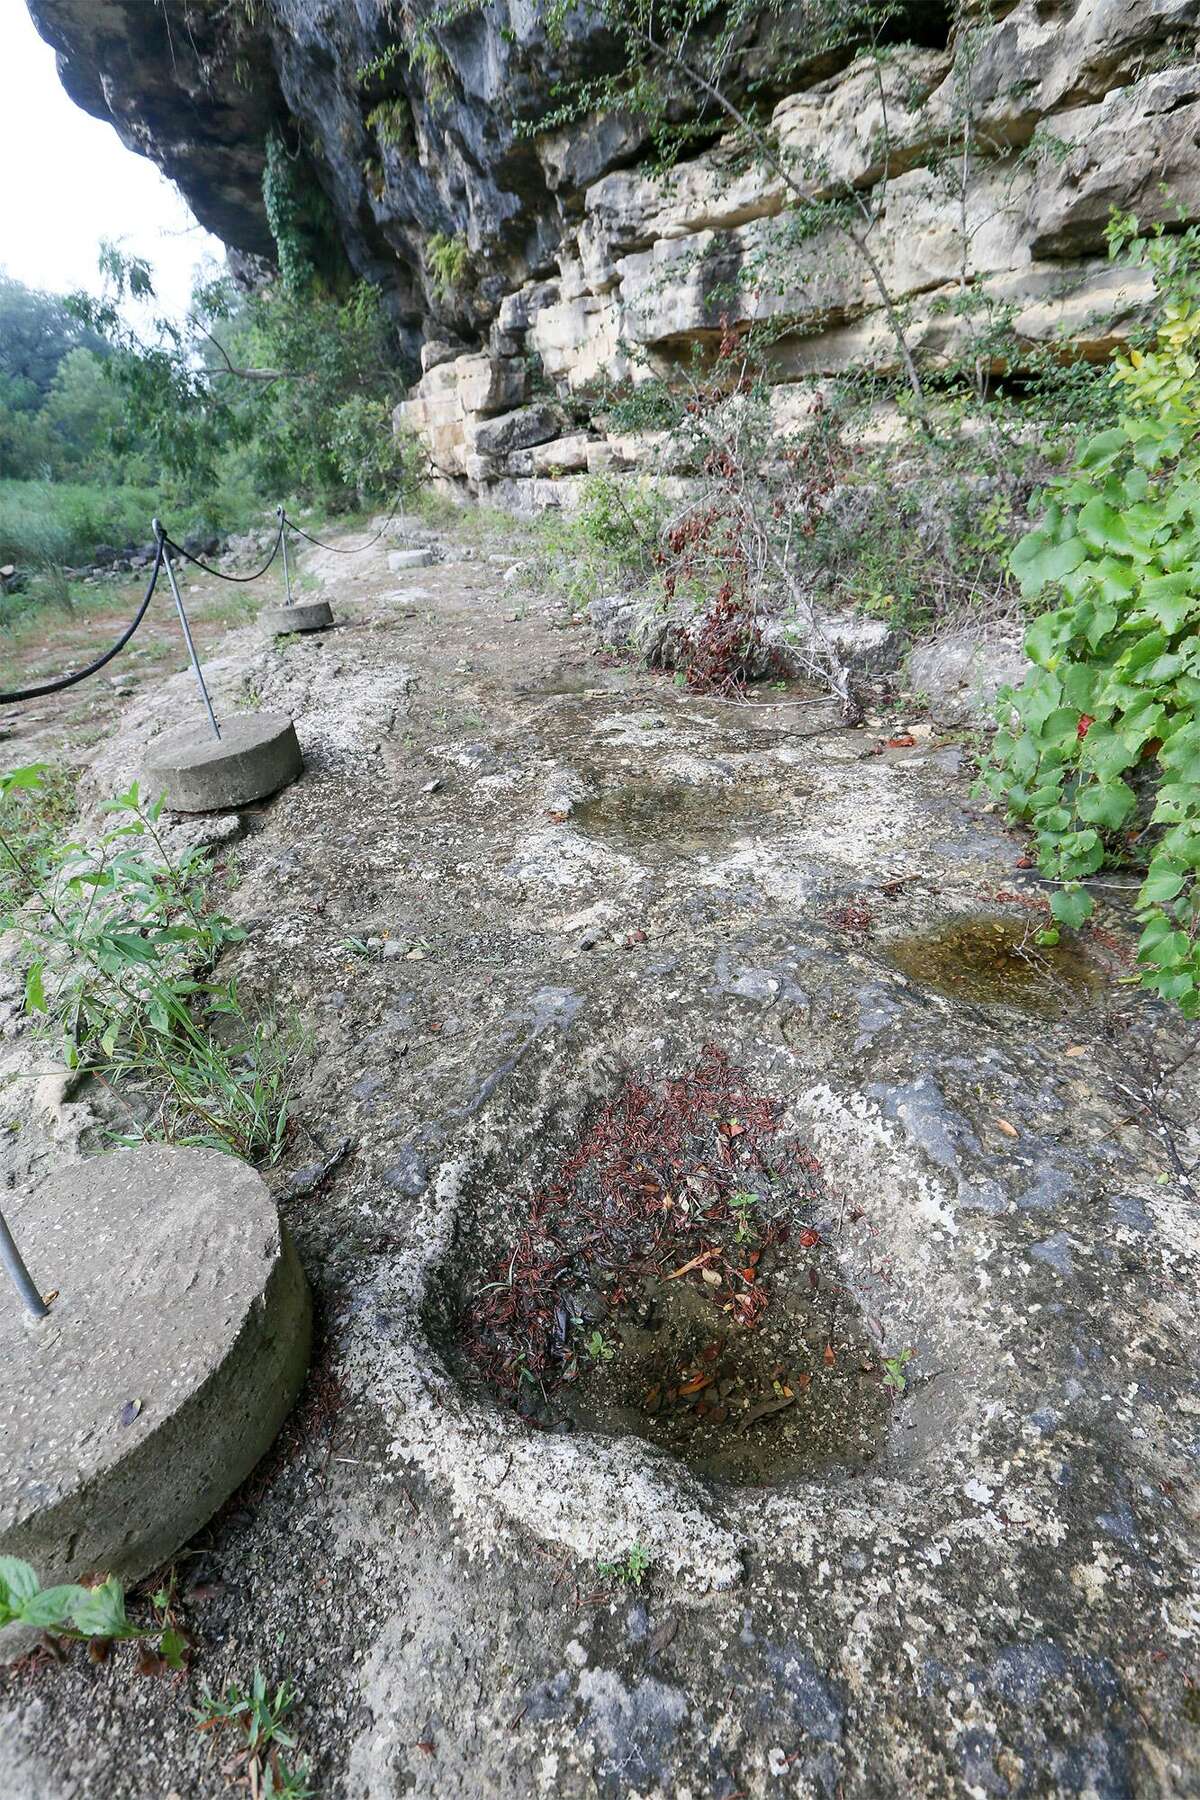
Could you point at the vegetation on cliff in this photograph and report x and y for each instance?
(1100, 748)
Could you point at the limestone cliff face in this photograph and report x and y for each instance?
(572, 261)
(411, 134)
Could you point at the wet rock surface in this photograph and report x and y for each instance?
(994, 1596)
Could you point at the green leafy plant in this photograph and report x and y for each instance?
(391, 121)
(370, 458)
(31, 818)
(379, 67)
(630, 1569)
(448, 259)
(121, 939)
(598, 1348)
(1099, 750)
(301, 221)
(257, 1716)
(610, 541)
(744, 1205)
(894, 1368)
(246, 384)
(79, 1614)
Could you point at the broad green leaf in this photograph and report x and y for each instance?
(1040, 696)
(1181, 844)
(1168, 599)
(1101, 527)
(35, 990)
(1072, 907)
(101, 1611)
(18, 1579)
(52, 1606)
(1162, 883)
(1158, 929)
(1183, 763)
(1163, 668)
(1177, 800)
(1099, 451)
(1036, 563)
(1144, 651)
(1060, 726)
(1078, 854)
(1141, 723)
(1174, 986)
(1104, 752)
(132, 947)
(1117, 581)
(31, 776)
(1106, 803)
(1103, 619)
(1165, 948)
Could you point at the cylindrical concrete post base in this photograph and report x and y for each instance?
(256, 754)
(176, 1342)
(308, 615)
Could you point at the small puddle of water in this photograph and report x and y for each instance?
(995, 962)
(747, 1405)
(675, 816)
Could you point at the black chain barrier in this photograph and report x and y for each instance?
(187, 556)
(68, 681)
(165, 545)
(349, 549)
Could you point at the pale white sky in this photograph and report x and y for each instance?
(66, 181)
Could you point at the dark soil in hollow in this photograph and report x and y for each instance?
(676, 1283)
(993, 962)
(799, 1395)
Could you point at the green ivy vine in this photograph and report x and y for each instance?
(307, 246)
(1099, 749)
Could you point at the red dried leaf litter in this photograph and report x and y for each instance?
(660, 1188)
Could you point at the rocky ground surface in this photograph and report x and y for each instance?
(516, 871)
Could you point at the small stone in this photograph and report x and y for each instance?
(409, 1173)
(304, 1179)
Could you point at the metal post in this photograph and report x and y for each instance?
(187, 630)
(19, 1275)
(287, 573)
